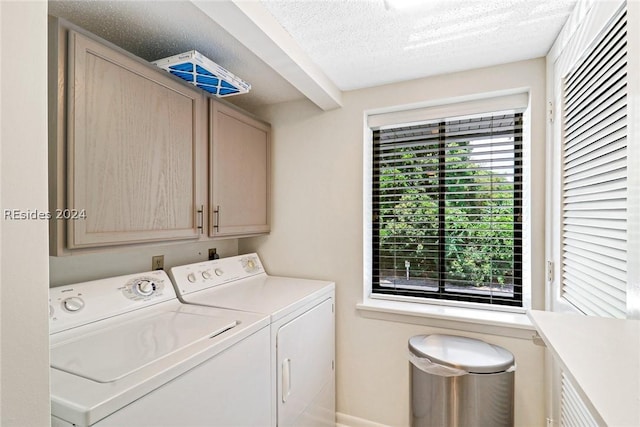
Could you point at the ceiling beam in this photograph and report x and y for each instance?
(253, 26)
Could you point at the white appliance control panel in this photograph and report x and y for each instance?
(207, 274)
(82, 303)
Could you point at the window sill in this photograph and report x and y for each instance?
(516, 325)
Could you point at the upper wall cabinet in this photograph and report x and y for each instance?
(124, 150)
(239, 173)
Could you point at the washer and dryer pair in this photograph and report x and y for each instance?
(242, 348)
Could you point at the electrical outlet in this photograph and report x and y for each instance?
(157, 262)
(213, 254)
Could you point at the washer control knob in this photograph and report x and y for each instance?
(73, 304)
(206, 274)
(145, 287)
(218, 272)
(191, 277)
(250, 264)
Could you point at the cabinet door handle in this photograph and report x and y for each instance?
(216, 223)
(201, 218)
(286, 379)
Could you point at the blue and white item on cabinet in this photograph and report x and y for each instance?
(202, 72)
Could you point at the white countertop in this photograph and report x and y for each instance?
(602, 357)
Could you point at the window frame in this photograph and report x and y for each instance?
(515, 99)
(442, 293)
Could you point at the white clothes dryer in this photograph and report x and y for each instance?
(302, 314)
(126, 352)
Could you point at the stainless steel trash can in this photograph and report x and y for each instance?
(458, 381)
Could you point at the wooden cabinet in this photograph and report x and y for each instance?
(239, 173)
(128, 153)
(130, 159)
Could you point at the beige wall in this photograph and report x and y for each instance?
(117, 262)
(24, 355)
(317, 232)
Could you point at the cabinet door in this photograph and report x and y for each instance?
(239, 168)
(132, 139)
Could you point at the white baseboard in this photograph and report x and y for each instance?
(344, 420)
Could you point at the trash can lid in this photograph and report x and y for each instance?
(471, 355)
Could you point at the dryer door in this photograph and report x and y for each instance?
(305, 355)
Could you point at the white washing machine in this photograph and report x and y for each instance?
(126, 352)
(302, 329)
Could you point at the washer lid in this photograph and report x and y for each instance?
(471, 355)
(273, 295)
(115, 352)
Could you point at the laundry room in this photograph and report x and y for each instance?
(383, 185)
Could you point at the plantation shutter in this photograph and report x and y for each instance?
(573, 411)
(447, 206)
(594, 168)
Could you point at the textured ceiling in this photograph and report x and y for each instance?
(355, 43)
(362, 43)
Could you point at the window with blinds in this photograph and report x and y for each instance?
(447, 209)
(594, 174)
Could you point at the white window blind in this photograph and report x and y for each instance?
(447, 209)
(594, 173)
